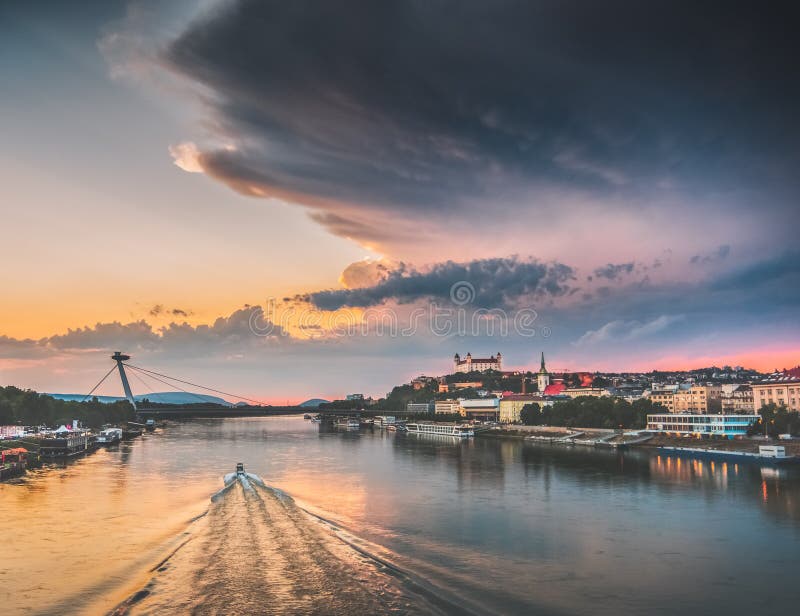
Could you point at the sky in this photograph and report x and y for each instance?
(300, 199)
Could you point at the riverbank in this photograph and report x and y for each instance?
(638, 438)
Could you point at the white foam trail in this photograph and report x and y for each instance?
(245, 483)
(256, 480)
(220, 493)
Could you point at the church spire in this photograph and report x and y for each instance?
(542, 379)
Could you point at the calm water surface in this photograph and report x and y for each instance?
(367, 522)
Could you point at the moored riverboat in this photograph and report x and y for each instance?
(456, 430)
(66, 445)
(131, 432)
(13, 462)
(109, 436)
(351, 424)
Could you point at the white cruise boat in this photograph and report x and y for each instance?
(457, 430)
(109, 436)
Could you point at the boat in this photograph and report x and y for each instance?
(456, 430)
(348, 423)
(65, 444)
(307, 416)
(150, 425)
(130, 433)
(391, 428)
(13, 462)
(109, 436)
(242, 476)
(767, 455)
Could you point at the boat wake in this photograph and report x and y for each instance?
(256, 552)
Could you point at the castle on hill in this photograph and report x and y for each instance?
(477, 364)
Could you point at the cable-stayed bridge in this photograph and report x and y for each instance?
(204, 406)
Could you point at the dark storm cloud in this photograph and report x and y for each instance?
(613, 271)
(781, 274)
(484, 283)
(422, 105)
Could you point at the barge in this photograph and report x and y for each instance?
(771, 455)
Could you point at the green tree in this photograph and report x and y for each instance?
(6, 412)
(530, 415)
(776, 420)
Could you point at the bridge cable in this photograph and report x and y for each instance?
(99, 384)
(172, 378)
(163, 382)
(143, 382)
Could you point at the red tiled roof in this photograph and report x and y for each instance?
(554, 389)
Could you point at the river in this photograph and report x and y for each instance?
(375, 522)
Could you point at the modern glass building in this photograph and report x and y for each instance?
(685, 423)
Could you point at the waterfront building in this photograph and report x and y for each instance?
(542, 377)
(698, 399)
(354, 397)
(384, 420)
(781, 389)
(665, 396)
(447, 407)
(701, 425)
(484, 409)
(419, 407)
(475, 364)
(737, 399)
(511, 406)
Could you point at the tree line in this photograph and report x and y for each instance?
(776, 420)
(591, 412)
(29, 408)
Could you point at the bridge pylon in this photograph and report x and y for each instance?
(119, 358)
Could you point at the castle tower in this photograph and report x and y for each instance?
(543, 377)
(456, 359)
(499, 362)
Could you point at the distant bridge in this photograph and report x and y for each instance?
(202, 408)
(169, 411)
(175, 411)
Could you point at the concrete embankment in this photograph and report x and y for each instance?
(744, 445)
